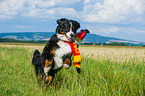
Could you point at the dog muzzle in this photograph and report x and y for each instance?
(68, 37)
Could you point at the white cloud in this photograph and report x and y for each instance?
(131, 30)
(43, 4)
(112, 11)
(10, 8)
(51, 13)
(51, 3)
(37, 8)
(103, 29)
(107, 30)
(109, 11)
(23, 26)
(86, 1)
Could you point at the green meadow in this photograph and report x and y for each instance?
(99, 77)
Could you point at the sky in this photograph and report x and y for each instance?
(124, 19)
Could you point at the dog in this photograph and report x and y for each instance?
(57, 52)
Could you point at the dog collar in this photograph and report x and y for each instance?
(67, 41)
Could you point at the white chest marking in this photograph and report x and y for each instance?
(63, 50)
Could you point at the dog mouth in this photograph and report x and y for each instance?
(70, 39)
(69, 36)
(65, 37)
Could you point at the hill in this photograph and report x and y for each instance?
(42, 36)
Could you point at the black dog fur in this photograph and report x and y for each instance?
(37, 63)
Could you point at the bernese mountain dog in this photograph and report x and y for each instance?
(57, 52)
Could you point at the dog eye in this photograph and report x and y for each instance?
(72, 27)
(68, 27)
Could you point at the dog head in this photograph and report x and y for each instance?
(66, 29)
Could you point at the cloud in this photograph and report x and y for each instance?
(51, 13)
(23, 26)
(113, 11)
(131, 30)
(103, 29)
(11, 8)
(36, 8)
(86, 1)
(54, 3)
(107, 11)
(115, 30)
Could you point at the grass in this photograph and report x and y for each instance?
(99, 77)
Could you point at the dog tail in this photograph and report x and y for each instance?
(37, 62)
(36, 58)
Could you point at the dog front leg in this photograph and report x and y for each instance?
(48, 81)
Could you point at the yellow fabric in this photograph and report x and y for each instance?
(77, 58)
(78, 66)
(76, 54)
(78, 39)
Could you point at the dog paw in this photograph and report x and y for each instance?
(66, 66)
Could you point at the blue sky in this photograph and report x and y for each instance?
(123, 19)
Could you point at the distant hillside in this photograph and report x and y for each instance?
(42, 36)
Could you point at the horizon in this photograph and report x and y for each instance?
(110, 18)
(89, 33)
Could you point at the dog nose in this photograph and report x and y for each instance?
(72, 35)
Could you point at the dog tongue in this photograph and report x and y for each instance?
(70, 39)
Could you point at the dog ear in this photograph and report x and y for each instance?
(61, 21)
(58, 21)
(75, 25)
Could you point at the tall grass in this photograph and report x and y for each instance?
(115, 54)
(98, 78)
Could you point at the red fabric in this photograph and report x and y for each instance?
(81, 35)
(74, 49)
(76, 53)
(76, 64)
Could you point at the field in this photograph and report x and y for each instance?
(106, 71)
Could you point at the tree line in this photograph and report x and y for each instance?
(4, 40)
